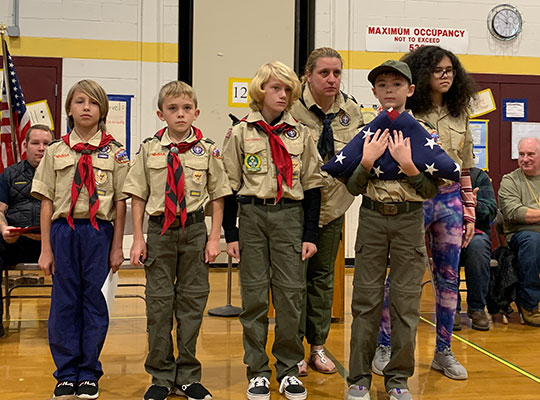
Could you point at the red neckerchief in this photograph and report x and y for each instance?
(174, 186)
(84, 176)
(280, 155)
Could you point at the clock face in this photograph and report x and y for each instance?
(505, 22)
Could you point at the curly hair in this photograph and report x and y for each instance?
(423, 62)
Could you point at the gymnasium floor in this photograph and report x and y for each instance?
(502, 363)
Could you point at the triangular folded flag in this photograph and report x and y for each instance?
(427, 155)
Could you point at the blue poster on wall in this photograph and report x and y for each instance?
(514, 110)
(119, 119)
(479, 132)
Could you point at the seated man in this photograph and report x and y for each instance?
(519, 200)
(476, 257)
(18, 209)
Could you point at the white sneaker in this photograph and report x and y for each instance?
(381, 359)
(400, 394)
(357, 392)
(259, 388)
(446, 362)
(293, 388)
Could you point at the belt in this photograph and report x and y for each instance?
(264, 202)
(193, 217)
(391, 208)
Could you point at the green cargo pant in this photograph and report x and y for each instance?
(401, 237)
(271, 259)
(176, 285)
(317, 310)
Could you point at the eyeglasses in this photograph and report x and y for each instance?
(439, 72)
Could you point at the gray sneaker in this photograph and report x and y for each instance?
(381, 358)
(446, 362)
(357, 392)
(400, 394)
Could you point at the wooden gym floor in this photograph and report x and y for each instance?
(502, 363)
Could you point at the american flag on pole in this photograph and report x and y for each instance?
(15, 119)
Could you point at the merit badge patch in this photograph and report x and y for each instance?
(197, 177)
(101, 177)
(121, 156)
(344, 119)
(292, 134)
(252, 162)
(216, 153)
(198, 150)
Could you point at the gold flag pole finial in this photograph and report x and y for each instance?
(3, 29)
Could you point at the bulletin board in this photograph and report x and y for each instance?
(119, 119)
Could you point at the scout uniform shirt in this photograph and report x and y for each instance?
(454, 135)
(204, 175)
(248, 159)
(335, 199)
(55, 173)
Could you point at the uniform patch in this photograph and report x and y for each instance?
(101, 177)
(157, 154)
(101, 192)
(20, 183)
(105, 149)
(121, 156)
(198, 150)
(228, 134)
(344, 119)
(292, 134)
(195, 193)
(216, 153)
(252, 162)
(197, 177)
(61, 155)
(296, 165)
(102, 155)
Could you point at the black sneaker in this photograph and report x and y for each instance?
(156, 392)
(193, 391)
(2, 331)
(259, 388)
(64, 388)
(293, 388)
(87, 390)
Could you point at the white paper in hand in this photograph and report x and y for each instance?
(109, 289)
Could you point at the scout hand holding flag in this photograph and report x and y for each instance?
(426, 153)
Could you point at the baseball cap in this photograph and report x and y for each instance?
(390, 66)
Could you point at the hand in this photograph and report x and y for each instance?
(46, 262)
(308, 250)
(468, 233)
(137, 254)
(211, 250)
(33, 236)
(400, 150)
(233, 249)
(374, 147)
(10, 236)
(116, 258)
(475, 195)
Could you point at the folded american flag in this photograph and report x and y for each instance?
(426, 153)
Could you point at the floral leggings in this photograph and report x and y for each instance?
(443, 220)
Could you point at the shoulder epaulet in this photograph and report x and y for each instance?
(207, 140)
(426, 123)
(235, 120)
(117, 143)
(56, 141)
(149, 138)
(350, 96)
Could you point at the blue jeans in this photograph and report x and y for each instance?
(526, 244)
(476, 258)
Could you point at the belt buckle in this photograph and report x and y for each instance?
(388, 209)
(175, 223)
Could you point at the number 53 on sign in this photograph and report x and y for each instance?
(238, 92)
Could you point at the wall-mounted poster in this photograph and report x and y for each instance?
(479, 131)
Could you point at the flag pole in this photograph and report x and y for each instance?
(3, 30)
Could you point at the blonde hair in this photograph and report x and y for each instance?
(175, 89)
(321, 52)
(281, 72)
(95, 92)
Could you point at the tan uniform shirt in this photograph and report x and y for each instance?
(204, 175)
(55, 173)
(248, 160)
(454, 135)
(335, 199)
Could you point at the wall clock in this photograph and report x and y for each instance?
(504, 22)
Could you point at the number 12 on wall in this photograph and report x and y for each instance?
(238, 92)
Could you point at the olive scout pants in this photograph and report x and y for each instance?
(176, 286)
(271, 260)
(379, 236)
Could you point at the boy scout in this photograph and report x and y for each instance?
(171, 178)
(273, 165)
(79, 181)
(391, 223)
